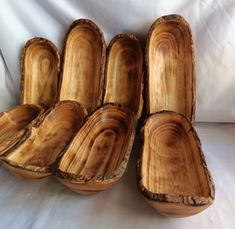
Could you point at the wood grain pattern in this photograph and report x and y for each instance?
(98, 155)
(172, 173)
(172, 167)
(40, 63)
(170, 60)
(45, 139)
(124, 73)
(13, 123)
(83, 67)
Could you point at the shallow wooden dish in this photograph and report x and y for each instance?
(171, 170)
(81, 82)
(98, 155)
(39, 86)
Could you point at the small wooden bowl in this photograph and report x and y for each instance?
(171, 170)
(44, 140)
(98, 155)
(40, 63)
(82, 79)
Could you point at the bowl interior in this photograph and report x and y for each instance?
(170, 67)
(172, 162)
(40, 73)
(100, 145)
(83, 64)
(48, 139)
(124, 73)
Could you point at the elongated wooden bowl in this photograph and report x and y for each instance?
(40, 63)
(13, 123)
(44, 140)
(98, 155)
(82, 80)
(171, 171)
(83, 66)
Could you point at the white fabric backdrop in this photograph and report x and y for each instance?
(212, 22)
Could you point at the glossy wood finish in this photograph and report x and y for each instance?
(13, 123)
(40, 63)
(171, 171)
(83, 67)
(173, 174)
(98, 155)
(33, 156)
(170, 60)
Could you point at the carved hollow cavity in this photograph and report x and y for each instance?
(124, 72)
(13, 124)
(100, 146)
(47, 137)
(82, 74)
(173, 169)
(40, 66)
(170, 61)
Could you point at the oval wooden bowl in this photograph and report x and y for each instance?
(97, 156)
(13, 124)
(170, 66)
(83, 67)
(40, 62)
(172, 172)
(34, 155)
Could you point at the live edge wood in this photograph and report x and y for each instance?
(40, 63)
(97, 156)
(83, 65)
(44, 140)
(172, 173)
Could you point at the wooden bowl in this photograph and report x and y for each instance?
(13, 124)
(82, 79)
(83, 66)
(44, 140)
(40, 62)
(98, 155)
(172, 173)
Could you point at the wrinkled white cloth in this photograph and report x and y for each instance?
(212, 23)
(48, 204)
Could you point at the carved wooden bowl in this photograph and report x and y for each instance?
(98, 155)
(82, 79)
(39, 85)
(171, 171)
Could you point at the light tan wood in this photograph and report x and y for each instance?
(40, 63)
(174, 176)
(45, 140)
(98, 155)
(83, 67)
(170, 59)
(172, 173)
(13, 123)
(82, 79)
(124, 73)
